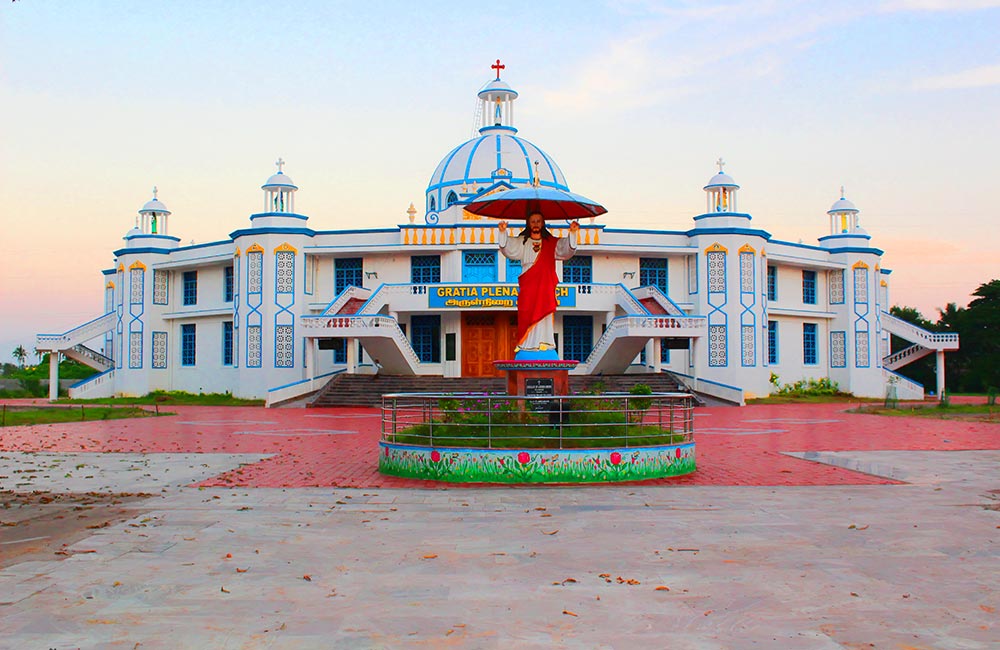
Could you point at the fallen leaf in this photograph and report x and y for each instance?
(116, 583)
(854, 594)
(662, 588)
(708, 612)
(552, 533)
(569, 613)
(307, 578)
(987, 609)
(229, 556)
(430, 556)
(224, 590)
(239, 570)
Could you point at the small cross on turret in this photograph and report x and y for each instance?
(280, 163)
(498, 67)
(721, 163)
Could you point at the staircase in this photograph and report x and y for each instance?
(89, 357)
(924, 342)
(367, 390)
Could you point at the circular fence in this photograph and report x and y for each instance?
(537, 439)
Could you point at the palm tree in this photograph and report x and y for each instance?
(20, 354)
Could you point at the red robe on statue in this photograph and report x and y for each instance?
(536, 293)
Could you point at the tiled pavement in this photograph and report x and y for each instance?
(888, 535)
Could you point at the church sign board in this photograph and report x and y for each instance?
(486, 296)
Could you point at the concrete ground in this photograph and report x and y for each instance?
(804, 527)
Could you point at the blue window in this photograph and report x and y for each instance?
(425, 336)
(425, 269)
(809, 344)
(513, 269)
(579, 270)
(227, 285)
(227, 343)
(479, 266)
(452, 199)
(432, 205)
(578, 337)
(653, 273)
(809, 287)
(188, 344)
(664, 351)
(772, 283)
(190, 287)
(347, 273)
(772, 341)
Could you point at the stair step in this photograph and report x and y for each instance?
(367, 390)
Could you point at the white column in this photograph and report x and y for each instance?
(310, 358)
(656, 355)
(352, 356)
(940, 374)
(53, 375)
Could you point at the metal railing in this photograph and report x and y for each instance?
(485, 421)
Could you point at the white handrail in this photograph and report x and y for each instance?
(905, 329)
(365, 325)
(76, 335)
(655, 326)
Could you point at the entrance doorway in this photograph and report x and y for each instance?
(487, 337)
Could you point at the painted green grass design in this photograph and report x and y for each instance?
(527, 467)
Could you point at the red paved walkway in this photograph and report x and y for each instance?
(735, 446)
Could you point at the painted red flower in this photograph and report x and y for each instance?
(615, 458)
(678, 452)
(435, 455)
(386, 451)
(523, 457)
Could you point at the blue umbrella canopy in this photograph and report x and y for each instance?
(520, 203)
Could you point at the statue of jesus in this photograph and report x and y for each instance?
(537, 249)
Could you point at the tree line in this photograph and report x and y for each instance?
(975, 366)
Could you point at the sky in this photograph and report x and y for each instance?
(896, 100)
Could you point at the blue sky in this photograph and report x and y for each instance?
(898, 101)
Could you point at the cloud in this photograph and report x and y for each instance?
(677, 50)
(978, 77)
(939, 5)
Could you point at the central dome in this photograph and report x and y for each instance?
(480, 163)
(498, 156)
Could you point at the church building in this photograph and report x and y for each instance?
(279, 306)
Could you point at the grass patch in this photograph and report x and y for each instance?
(812, 399)
(174, 397)
(978, 412)
(11, 416)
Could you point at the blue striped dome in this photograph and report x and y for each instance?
(495, 156)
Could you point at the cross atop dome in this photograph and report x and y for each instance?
(721, 163)
(280, 163)
(496, 109)
(154, 191)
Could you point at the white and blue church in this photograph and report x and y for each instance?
(279, 306)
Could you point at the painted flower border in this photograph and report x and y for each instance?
(465, 465)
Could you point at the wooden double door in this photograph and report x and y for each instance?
(487, 336)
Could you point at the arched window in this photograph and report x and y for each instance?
(433, 205)
(452, 198)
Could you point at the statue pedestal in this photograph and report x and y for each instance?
(537, 378)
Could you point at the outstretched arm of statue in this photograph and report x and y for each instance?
(566, 246)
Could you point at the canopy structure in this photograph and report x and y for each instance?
(520, 203)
